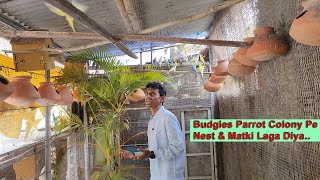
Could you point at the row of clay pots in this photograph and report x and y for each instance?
(218, 77)
(20, 92)
(305, 28)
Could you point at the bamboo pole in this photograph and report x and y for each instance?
(64, 35)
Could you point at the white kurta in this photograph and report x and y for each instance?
(166, 139)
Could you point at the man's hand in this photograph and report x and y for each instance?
(145, 154)
(126, 154)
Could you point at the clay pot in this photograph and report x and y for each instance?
(76, 94)
(241, 54)
(308, 4)
(212, 87)
(136, 95)
(237, 69)
(217, 79)
(49, 95)
(306, 27)
(267, 45)
(66, 96)
(6, 89)
(25, 93)
(221, 69)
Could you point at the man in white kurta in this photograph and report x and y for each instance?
(165, 138)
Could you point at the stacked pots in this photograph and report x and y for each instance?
(242, 64)
(267, 45)
(6, 88)
(305, 28)
(25, 93)
(218, 77)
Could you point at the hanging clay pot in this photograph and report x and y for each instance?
(241, 54)
(217, 79)
(48, 93)
(136, 95)
(221, 69)
(6, 89)
(66, 96)
(76, 94)
(237, 69)
(25, 93)
(212, 87)
(306, 27)
(267, 45)
(308, 4)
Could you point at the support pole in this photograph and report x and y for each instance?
(141, 56)
(48, 135)
(86, 146)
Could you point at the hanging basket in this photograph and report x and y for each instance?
(6, 88)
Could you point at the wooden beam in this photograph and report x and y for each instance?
(81, 17)
(124, 15)
(131, 12)
(147, 38)
(182, 40)
(192, 18)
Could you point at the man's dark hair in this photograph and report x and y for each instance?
(157, 85)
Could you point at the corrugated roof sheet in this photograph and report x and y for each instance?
(37, 16)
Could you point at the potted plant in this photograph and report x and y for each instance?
(103, 98)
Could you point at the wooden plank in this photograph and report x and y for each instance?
(198, 154)
(124, 15)
(81, 17)
(132, 14)
(199, 177)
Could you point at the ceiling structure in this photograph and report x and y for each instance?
(108, 18)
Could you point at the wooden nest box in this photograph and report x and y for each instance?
(36, 58)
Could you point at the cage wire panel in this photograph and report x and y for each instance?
(286, 87)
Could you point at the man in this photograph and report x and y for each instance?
(165, 138)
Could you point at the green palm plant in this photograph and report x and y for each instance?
(103, 97)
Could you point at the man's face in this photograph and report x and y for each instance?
(153, 98)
